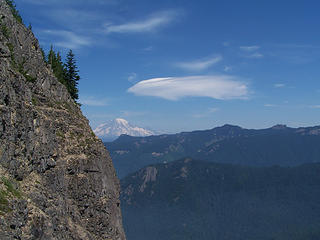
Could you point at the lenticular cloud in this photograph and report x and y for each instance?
(173, 88)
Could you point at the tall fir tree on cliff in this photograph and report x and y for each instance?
(66, 73)
(54, 59)
(71, 76)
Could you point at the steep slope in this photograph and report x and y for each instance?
(192, 199)
(57, 179)
(278, 145)
(111, 130)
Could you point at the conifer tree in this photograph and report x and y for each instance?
(14, 10)
(51, 57)
(66, 73)
(60, 70)
(71, 76)
(54, 59)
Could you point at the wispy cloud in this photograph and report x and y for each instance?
(221, 87)
(150, 24)
(199, 65)
(315, 106)
(279, 85)
(67, 39)
(207, 113)
(298, 46)
(251, 51)
(213, 110)
(75, 19)
(128, 113)
(226, 44)
(132, 77)
(148, 49)
(270, 105)
(93, 101)
(255, 55)
(70, 24)
(296, 53)
(70, 2)
(250, 48)
(227, 68)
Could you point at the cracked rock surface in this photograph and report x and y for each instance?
(57, 179)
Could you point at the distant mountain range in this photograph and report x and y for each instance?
(111, 130)
(278, 145)
(191, 199)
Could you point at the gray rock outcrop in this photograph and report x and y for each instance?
(57, 179)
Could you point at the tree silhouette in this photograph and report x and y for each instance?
(71, 76)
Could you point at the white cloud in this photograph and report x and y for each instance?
(250, 48)
(149, 24)
(199, 65)
(94, 102)
(279, 85)
(221, 87)
(67, 39)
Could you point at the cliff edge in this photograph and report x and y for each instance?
(57, 178)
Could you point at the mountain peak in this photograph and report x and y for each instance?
(111, 130)
(279, 126)
(121, 121)
(228, 126)
(227, 129)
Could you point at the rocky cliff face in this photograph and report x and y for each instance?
(57, 179)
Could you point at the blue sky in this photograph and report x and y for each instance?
(186, 65)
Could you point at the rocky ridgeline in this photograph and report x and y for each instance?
(57, 179)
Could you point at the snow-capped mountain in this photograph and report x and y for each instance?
(110, 130)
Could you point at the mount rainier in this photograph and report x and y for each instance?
(112, 129)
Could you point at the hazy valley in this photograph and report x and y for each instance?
(278, 145)
(223, 183)
(192, 199)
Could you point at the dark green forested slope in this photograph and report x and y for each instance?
(190, 199)
(278, 145)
